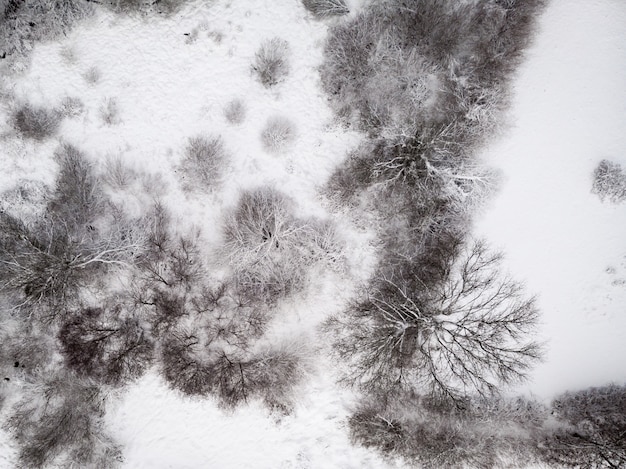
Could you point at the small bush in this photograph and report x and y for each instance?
(609, 182)
(78, 199)
(277, 134)
(92, 76)
(203, 164)
(235, 111)
(110, 112)
(72, 107)
(326, 8)
(117, 175)
(271, 64)
(37, 123)
(162, 7)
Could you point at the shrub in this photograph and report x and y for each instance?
(609, 181)
(78, 198)
(326, 8)
(61, 423)
(117, 174)
(277, 134)
(163, 7)
(271, 62)
(110, 112)
(235, 111)
(26, 22)
(204, 162)
(92, 76)
(72, 107)
(589, 431)
(26, 200)
(269, 249)
(37, 123)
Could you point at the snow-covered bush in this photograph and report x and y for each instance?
(589, 429)
(609, 181)
(28, 21)
(161, 7)
(326, 8)
(36, 122)
(110, 112)
(277, 134)
(71, 107)
(271, 61)
(117, 174)
(235, 111)
(269, 249)
(203, 164)
(60, 422)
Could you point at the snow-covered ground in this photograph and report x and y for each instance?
(569, 112)
(171, 78)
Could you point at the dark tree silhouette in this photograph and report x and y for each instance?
(465, 333)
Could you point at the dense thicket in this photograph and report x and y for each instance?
(427, 82)
(92, 297)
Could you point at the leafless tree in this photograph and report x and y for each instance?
(467, 333)
(109, 345)
(270, 249)
(60, 422)
(81, 233)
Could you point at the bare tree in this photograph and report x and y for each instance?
(466, 333)
(81, 233)
(109, 345)
(60, 422)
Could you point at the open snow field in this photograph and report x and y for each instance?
(170, 79)
(568, 113)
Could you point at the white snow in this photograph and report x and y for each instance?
(569, 112)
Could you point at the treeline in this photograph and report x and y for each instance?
(440, 330)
